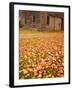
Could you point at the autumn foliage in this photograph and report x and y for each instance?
(41, 55)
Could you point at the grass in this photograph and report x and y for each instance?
(39, 31)
(34, 33)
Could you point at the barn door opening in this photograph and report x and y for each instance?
(62, 24)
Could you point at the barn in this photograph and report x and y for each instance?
(42, 20)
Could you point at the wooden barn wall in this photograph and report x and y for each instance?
(55, 23)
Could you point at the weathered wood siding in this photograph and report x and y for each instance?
(38, 20)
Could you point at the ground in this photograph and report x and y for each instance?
(41, 54)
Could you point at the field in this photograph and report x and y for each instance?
(41, 54)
